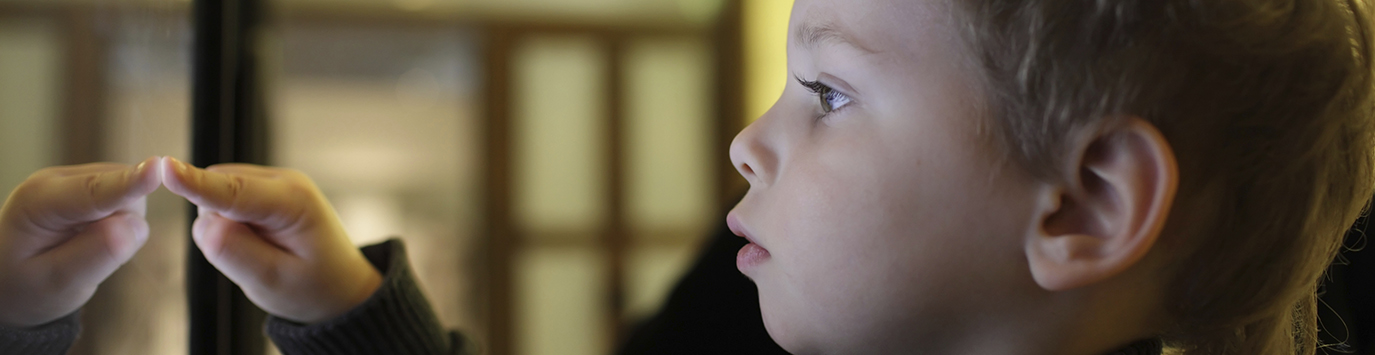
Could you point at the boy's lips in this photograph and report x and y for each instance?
(751, 254)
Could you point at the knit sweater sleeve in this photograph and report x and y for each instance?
(396, 319)
(54, 338)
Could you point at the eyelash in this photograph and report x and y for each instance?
(825, 94)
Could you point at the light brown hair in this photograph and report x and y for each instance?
(1267, 105)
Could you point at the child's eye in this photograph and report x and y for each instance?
(831, 99)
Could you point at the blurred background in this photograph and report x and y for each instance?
(553, 165)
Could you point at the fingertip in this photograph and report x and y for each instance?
(173, 174)
(148, 176)
(160, 168)
(142, 166)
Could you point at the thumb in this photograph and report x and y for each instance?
(98, 250)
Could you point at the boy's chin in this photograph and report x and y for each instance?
(781, 325)
(781, 335)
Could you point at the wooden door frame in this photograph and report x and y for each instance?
(502, 233)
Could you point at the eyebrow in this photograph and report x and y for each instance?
(814, 35)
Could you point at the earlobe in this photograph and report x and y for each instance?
(1108, 211)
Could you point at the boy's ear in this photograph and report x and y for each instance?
(1108, 211)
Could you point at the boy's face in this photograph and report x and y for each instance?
(880, 217)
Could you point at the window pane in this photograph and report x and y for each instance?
(84, 82)
(148, 113)
(30, 81)
(559, 132)
(560, 308)
(668, 136)
(382, 117)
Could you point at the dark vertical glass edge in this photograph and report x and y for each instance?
(226, 126)
(202, 278)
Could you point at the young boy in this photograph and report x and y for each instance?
(967, 176)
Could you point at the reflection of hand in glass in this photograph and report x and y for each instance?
(273, 233)
(66, 229)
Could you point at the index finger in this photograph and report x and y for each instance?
(84, 193)
(253, 196)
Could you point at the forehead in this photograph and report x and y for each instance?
(874, 26)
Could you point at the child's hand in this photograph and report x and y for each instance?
(273, 233)
(66, 229)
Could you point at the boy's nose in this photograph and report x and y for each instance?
(752, 156)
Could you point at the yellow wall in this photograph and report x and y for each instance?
(766, 57)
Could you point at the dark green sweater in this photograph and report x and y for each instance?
(397, 319)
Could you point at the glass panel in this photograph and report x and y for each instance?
(559, 132)
(117, 73)
(383, 118)
(143, 307)
(668, 133)
(559, 307)
(30, 80)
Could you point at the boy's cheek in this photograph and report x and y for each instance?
(827, 264)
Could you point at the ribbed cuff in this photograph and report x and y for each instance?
(54, 338)
(396, 319)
